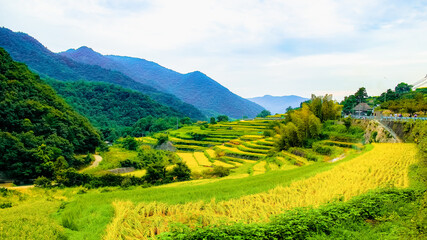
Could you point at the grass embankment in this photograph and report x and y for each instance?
(386, 166)
(112, 159)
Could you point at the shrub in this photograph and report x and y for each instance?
(373, 137)
(322, 149)
(129, 143)
(5, 205)
(162, 138)
(42, 182)
(181, 172)
(217, 171)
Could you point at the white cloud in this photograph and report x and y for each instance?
(253, 47)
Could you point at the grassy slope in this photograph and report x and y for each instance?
(91, 212)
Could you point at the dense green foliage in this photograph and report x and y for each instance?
(147, 125)
(36, 126)
(325, 108)
(264, 113)
(301, 127)
(342, 132)
(401, 100)
(111, 108)
(222, 118)
(351, 101)
(407, 102)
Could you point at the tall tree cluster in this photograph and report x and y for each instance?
(304, 124)
(36, 126)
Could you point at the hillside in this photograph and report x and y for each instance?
(36, 126)
(24, 48)
(276, 104)
(194, 88)
(110, 107)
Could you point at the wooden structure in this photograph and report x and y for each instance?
(362, 109)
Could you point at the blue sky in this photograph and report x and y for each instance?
(252, 47)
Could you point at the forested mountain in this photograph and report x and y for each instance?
(109, 107)
(276, 104)
(37, 127)
(194, 88)
(24, 48)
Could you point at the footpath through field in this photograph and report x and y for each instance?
(95, 163)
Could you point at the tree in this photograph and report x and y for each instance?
(162, 138)
(349, 103)
(388, 95)
(264, 113)
(361, 95)
(302, 126)
(213, 120)
(181, 172)
(347, 122)
(402, 88)
(325, 108)
(185, 121)
(130, 143)
(222, 118)
(156, 173)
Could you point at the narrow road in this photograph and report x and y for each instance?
(95, 164)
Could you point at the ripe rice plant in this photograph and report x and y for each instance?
(202, 159)
(386, 165)
(259, 168)
(191, 162)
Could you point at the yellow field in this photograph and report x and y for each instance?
(219, 163)
(202, 159)
(286, 165)
(211, 153)
(386, 165)
(191, 162)
(137, 173)
(232, 149)
(273, 166)
(259, 168)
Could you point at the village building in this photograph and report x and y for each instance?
(362, 109)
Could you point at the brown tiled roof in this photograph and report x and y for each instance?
(362, 107)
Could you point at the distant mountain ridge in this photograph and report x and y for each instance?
(26, 49)
(278, 104)
(194, 88)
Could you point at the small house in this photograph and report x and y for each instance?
(362, 109)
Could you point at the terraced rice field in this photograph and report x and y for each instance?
(191, 162)
(259, 168)
(386, 165)
(202, 159)
(239, 142)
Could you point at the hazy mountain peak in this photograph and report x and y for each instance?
(278, 104)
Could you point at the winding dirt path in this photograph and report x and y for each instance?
(95, 164)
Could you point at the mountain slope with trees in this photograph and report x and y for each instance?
(38, 130)
(194, 88)
(111, 108)
(24, 48)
